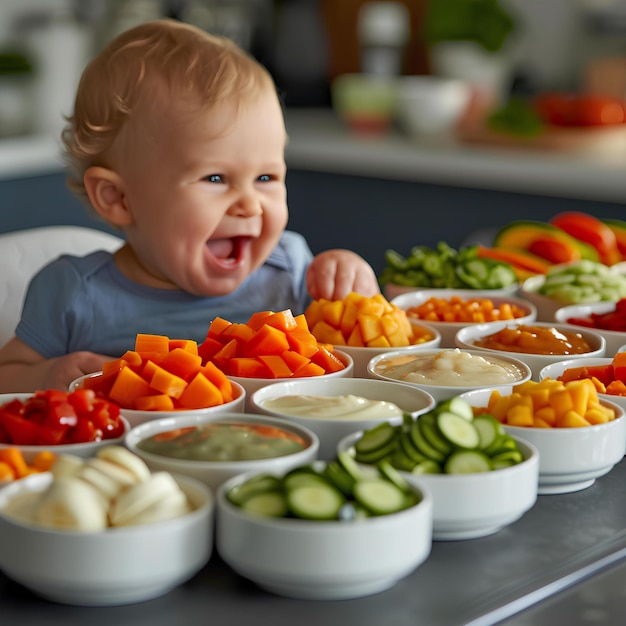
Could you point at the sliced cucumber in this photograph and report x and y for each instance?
(406, 445)
(391, 474)
(489, 429)
(515, 456)
(467, 462)
(350, 465)
(399, 459)
(257, 484)
(422, 445)
(456, 405)
(380, 496)
(376, 438)
(338, 476)
(460, 432)
(371, 458)
(430, 430)
(504, 443)
(315, 501)
(272, 503)
(427, 467)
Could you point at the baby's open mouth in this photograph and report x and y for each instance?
(227, 250)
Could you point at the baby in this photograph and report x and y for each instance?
(177, 140)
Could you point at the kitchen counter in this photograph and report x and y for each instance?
(563, 545)
(319, 141)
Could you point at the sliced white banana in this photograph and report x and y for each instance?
(126, 459)
(22, 507)
(134, 500)
(66, 465)
(108, 487)
(119, 474)
(172, 505)
(69, 503)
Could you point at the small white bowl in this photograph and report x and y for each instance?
(442, 392)
(214, 473)
(570, 459)
(323, 560)
(468, 506)
(431, 106)
(330, 430)
(614, 338)
(448, 330)
(111, 567)
(362, 355)
(135, 417)
(554, 370)
(467, 337)
(253, 384)
(83, 450)
(392, 290)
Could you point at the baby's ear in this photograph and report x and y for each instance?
(106, 191)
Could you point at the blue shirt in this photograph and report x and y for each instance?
(86, 303)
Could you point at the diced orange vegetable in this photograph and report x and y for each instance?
(217, 326)
(127, 387)
(157, 402)
(248, 367)
(619, 366)
(181, 362)
(185, 344)
(257, 319)
(14, 458)
(167, 383)
(267, 340)
(44, 460)
(6, 471)
(152, 344)
(200, 392)
(276, 364)
(282, 320)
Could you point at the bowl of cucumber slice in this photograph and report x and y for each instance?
(324, 531)
(481, 478)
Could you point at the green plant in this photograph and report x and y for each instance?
(484, 22)
(14, 64)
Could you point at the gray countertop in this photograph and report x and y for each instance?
(565, 542)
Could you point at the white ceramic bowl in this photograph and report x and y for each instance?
(330, 430)
(324, 560)
(83, 450)
(554, 370)
(466, 340)
(361, 356)
(111, 567)
(448, 330)
(570, 459)
(214, 473)
(135, 417)
(442, 392)
(253, 384)
(468, 506)
(392, 290)
(614, 338)
(431, 106)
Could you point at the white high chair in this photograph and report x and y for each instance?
(24, 252)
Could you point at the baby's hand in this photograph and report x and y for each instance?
(333, 274)
(61, 371)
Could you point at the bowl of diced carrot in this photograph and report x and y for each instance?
(580, 436)
(364, 327)
(162, 377)
(271, 346)
(449, 310)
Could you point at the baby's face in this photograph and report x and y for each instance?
(207, 196)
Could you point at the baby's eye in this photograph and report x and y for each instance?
(214, 178)
(265, 178)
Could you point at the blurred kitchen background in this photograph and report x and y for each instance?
(306, 44)
(367, 128)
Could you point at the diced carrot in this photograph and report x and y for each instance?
(282, 320)
(294, 360)
(129, 385)
(267, 340)
(276, 365)
(257, 319)
(6, 471)
(44, 460)
(186, 344)
(240, 332)
(301, 323)
(248, 367)
(303, 343)
(327, 360)
(157, 402)
(229, 351)
(167, 383)
(148, 344)
(133, 359)
(14, 458)
(113, 367)
(208, 348)
(217, 326)
(573, 373)
(182, 363)
(200, 393)
(219, 379)
(310, 369)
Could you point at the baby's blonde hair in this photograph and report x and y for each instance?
(132, 71)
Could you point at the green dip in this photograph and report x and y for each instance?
(224, 442)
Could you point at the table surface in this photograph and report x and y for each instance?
(564, 542)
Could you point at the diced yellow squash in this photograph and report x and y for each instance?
(539, 423)
(561, 401)
(314, 312)
(546, 414)
(370, 326)
(398, 339)
(379, 342)
(325, 333)
(520, 415)
(369, 306)
(355, 339)
(571, 419)
(348, 319)
(390, 324)
(332, 313)
(598, 416)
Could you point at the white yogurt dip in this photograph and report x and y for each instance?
(450, 368)
(345, 407)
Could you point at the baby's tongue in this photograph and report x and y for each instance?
(221, 248)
